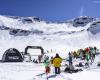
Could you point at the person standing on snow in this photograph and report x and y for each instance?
(87, 56)
(92, 51)
(95, 48)
(51, 60)
(70, 59)
(47, 65)
(39, 58)
(81, 54)
(57, 63)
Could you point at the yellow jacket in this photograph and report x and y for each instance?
(57, 62)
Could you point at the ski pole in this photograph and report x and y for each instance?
(47, 76)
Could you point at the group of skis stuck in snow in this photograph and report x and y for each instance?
(86, 55)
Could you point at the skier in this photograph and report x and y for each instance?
(47, 65)
(57, 63)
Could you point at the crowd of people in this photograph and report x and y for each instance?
(87, 55)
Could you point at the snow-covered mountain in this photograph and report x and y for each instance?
(61, 37)
(72, 34)
(23, 26)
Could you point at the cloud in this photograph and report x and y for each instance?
(97, 2)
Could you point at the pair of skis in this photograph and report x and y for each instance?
(47, 76)
(51, 76)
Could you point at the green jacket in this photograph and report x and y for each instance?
(93, 51)
(87, 56)
(46, 63)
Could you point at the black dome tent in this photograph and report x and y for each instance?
(12, 55)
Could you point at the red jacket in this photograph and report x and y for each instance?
(88, 50)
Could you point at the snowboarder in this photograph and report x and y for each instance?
(57, 63)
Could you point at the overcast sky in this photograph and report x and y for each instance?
(51, 10)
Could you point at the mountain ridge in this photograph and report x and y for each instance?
(19, 26)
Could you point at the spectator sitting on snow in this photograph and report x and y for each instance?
(71, 69)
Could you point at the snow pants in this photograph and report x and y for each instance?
(47, 69)
(57, 70)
